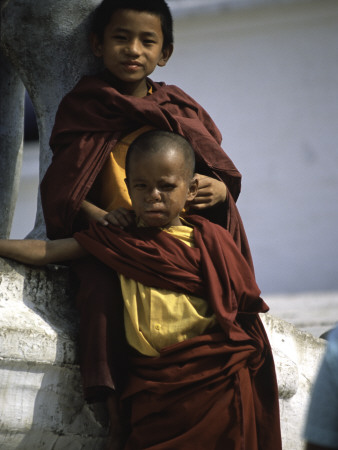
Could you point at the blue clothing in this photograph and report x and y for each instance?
(322, 422)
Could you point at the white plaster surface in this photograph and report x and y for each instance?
(47, 44)
(41, 400)
(297, 355)
(41, 403)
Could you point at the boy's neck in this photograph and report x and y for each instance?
(139, 89)
(140, 223)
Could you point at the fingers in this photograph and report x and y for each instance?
(210, 192)
(203, 181)
(102, 221)
(200, 204)
(120, 217)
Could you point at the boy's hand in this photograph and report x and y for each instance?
(121, 217)
(210, 192)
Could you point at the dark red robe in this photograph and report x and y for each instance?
(89, 122)
(216, 391)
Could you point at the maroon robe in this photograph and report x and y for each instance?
(216, 391)
(89, 122)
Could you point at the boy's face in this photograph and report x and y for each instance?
(132, 48)
(159, 187)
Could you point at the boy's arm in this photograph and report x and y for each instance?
(39, 253)
(93, 212)
(120, 217)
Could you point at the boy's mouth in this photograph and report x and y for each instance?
(154, 212)
(132, 65)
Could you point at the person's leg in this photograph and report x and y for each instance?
(102, 341)
(102, 352)
(117, 428)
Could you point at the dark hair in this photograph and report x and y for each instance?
(154, 141)
(103, 13)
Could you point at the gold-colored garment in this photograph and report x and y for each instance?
(157, 318)
(110, 188)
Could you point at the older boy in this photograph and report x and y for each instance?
(95, 124)
(97, 121)
(199, 372)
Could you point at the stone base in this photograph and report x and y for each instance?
(41, 403)
(41, 400)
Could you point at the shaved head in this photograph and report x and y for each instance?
(159, 141)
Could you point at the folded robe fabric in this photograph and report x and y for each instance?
(214, 391)
(89, 122)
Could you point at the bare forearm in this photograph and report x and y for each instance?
(39, 253)
(120, 217)
(93, 212)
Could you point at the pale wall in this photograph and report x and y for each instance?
(269, 78)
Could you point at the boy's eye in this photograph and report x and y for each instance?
(168, 187)
(119, 37)
(149, 41)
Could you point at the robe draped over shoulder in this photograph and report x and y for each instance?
(214, 391)
(89, 122)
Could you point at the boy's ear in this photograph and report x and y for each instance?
(193, 189)
(166, 53)
(96, 45)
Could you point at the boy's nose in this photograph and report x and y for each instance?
(153, 195)
(133, 47)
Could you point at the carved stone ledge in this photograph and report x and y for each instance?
(41, 400)
(41, 403)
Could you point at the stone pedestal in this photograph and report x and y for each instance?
(297, 355)
(41, 403)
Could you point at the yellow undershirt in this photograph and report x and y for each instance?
(154, 318)
(157, 318)
(109, 191)
(110, 188)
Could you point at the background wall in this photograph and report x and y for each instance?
(269, 78)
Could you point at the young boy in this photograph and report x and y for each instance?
(199, 372)
(95, 124)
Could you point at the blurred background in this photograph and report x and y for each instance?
(267, 73)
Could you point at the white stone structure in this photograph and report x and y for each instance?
(297, 355)
(11, 134)
(41, 403)
(45, 45)
(41, 400)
